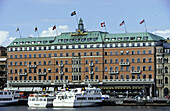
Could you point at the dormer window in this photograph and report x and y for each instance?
(113, 39)
(126, 38)
(119, 38)
(15, 43)
(44, 42)
(33, 42)
(132, 38)
(145, 38)
(139, 38)
(107, 39)
(27, 42)
(39, 42)
(21, 42)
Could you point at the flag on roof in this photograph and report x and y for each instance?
(103, 24)
(36, 29)
(123, 22)
(54, 27)
(17, 29)
(142, 21)
(73, 13)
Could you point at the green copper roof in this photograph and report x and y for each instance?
(85, 38)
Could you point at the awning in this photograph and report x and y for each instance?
(28, 89)
(22, 89)
(37, 89)
(3, 59)
(50, 89)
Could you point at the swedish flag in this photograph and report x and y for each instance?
(73, 13)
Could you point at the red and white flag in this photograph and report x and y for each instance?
(123, 22)
(103, 24)
(54, 27)
(142, 21)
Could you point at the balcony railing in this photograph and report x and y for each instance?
(61, 65)
(61, 73)
(32, 66)
(91, 72)
(128, 80)
(91, 64)
(22, 74)
(41, 73)
(113, 72)
(135, 72)
(124, 63)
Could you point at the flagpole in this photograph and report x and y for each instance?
(145, 26)
(76, 18)
(19, 33)
(125, 28)
(37, 32)
(56, 31)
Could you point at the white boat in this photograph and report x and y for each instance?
(8, 97)
(40, 100)
(78, 97)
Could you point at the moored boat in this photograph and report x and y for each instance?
(40, 100)
(78, 97)
(8, 97)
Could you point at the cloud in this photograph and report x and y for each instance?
(59, 29)
(163, 33)
(5, 38)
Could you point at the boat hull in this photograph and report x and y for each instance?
(74, 103)
(3, 103)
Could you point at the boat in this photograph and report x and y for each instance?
(78, 97)
(40, 100)
(8, 97)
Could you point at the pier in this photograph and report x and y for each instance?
(135, 102)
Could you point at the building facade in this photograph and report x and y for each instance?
(163, 69)
(122, 62)
(3, 67)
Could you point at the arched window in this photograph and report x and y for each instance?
(96, 69)
(150, 76)
(111, 68)
(166, 80)
(166, 69)
(39, 70)
(45, 70)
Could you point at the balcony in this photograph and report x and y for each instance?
(113, 72)
(22, 74)
(91, 72)
(135, 72)
(32, 66)
(61, 73)
(124, 63)
(91, 64)
(41, 73)
(61, 65)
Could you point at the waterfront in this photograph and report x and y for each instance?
(98, 108)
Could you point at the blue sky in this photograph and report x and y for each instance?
(27, 14)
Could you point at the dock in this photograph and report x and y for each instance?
(136, 102)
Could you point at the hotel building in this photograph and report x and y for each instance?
(123, 62)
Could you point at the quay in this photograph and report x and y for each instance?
(124, 102)
(136, 102)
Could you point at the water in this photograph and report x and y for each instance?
(98, 108)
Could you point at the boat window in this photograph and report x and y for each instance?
(33, 99)
(5, 93)
(1, 93)
(44, 99)
(40, 99)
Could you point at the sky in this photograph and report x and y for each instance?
(44, 14)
